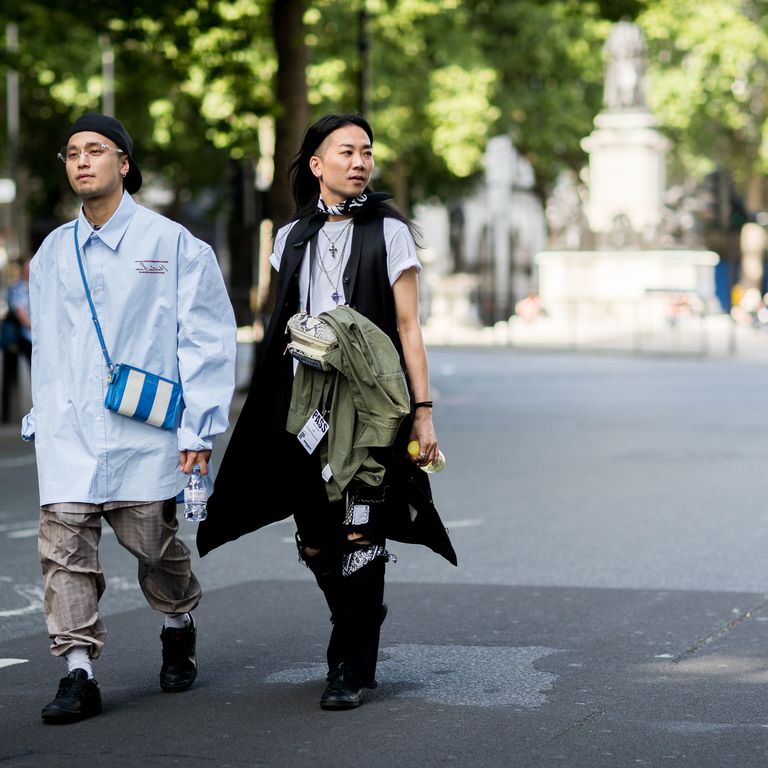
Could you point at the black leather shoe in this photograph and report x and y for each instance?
(179, 668)
(343, 690)
(77, 698)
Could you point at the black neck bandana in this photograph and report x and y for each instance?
(351, 204)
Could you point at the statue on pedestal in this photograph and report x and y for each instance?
(625, 72)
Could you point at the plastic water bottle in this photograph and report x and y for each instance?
(438, 466)
(414, 450)
(195, 497)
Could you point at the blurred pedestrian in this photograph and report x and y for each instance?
(347, 251)
(162, 305)
(15, 340)
(18, 309)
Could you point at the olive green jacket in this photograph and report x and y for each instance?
(365, 395)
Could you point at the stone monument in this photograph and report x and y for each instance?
(627, 265)
(627, 154)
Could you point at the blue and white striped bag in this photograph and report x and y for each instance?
(144, 396)
(131, 391)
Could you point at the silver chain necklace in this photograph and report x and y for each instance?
(338, 265)
(344, 230)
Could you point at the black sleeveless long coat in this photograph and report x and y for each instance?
(255, 452)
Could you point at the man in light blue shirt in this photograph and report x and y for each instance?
(162, 305)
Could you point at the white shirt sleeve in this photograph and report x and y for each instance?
(401, 249)
(277, 251)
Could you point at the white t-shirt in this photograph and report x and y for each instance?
(328, 270)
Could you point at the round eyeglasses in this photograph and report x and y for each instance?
(91, 151)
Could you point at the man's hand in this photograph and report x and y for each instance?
(188, 459)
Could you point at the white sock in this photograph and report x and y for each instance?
(177, 622)
(78, 658)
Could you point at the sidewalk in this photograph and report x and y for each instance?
(709, 336)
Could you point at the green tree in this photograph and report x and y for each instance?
(197, 81)
(193, 81)
(708, 81)
(445, 76)
(550, 74)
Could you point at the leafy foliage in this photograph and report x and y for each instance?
(195, 82)
(708, 83)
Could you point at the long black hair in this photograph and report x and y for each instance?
(305, 186)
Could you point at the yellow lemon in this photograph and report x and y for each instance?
(414, 449)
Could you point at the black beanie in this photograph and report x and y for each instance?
(115, 130)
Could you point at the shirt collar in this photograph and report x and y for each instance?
(112, 231)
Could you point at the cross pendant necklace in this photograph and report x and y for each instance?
(339, 266)
(333, 250)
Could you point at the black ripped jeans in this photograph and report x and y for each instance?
(355, 601)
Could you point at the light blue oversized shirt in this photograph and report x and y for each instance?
(163, 306)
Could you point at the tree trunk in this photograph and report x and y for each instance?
(292, 111)
(755, 199)
(399, 190)
(291, 97)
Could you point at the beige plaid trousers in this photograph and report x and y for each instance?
(73, 581)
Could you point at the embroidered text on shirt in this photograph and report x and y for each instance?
(151, 267)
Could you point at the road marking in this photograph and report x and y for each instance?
(11, 662)
(468, 523)
(31, 592)
(13, 526)
(24, 533)
(17, 461)
(123, 584)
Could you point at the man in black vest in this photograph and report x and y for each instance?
(345, 246)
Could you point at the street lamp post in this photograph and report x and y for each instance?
(12, 119)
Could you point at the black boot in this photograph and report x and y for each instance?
(179, 668)
(343, 689)
(77, 698)
(336, 643)
(357, 610)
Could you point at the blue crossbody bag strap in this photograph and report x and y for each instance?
(133, 392)
(94, 317)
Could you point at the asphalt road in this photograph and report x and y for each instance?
(609, 607)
